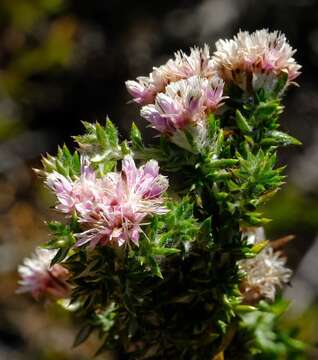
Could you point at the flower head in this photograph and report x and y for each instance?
(184, 102)
(180, 94)
(113, 208)
(255, 59)
(183, 66)
(264, 273)
(143, 90)
(40, 279)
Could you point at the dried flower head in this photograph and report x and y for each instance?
(111, 209)
(40, 279)
(255, 59)
(265, 273)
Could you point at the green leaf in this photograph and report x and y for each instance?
(242, 122)
(266, 109)
(221, 163)
(111, 132)
(154, 266)
(165, 251)
(56, 226)
(223, 326)
(213, 126)
(101, 136)
(136, 138)
(257, 248)
(242, 309)
(276, 137)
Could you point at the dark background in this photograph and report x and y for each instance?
(66, 61)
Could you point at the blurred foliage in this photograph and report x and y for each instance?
(35, 41)
(307, 327)
(264, 337)
(302, 214)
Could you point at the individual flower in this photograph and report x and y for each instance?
(113, 208)
(265, 273)
(197, 63)
(256, 60)
(183, 66)
(41, 279)
(144, 89)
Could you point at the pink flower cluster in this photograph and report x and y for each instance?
(188, 87)
(258, 57)
(40, 279)
(183, 66)
(111, 209)
(184, 102)
(180, 92)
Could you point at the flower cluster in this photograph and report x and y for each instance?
(265, 273)
(180, 93)
(255, 60)
(183, 66)
(111, 209)
(184, 102)
(185, 90)
(40, 279)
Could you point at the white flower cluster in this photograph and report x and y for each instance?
(266, 272)
(256, 60)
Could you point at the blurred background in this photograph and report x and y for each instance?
(63, 61)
